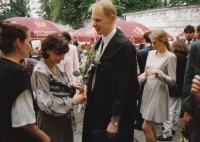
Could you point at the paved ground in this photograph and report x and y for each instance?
(138, 135)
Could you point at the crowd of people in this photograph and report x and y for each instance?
(38, 89)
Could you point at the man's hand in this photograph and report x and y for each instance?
(195, 88)
(187, 118)
(112, 130)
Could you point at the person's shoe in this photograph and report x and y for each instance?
(173, 132)
(137, 127)
(161, 138)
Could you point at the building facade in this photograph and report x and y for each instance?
(172, 19)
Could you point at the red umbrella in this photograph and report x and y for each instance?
(129, 28)
(182, 36)
(71, 32)
(170, 38)
(132, 29)
(39, 28)
(85, 34)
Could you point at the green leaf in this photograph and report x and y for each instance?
(76, 73)
(86, 53)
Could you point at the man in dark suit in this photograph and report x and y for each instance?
(141, 58)
(189, 102)
(113, 84)
(189, 31)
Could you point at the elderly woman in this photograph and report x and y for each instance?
(55, 116)
(17, 121)
(160, 71)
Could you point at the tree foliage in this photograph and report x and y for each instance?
(138, 5)
(181, 2)
(71, 12)
(14, 8)
(45, 10)
(74, 12)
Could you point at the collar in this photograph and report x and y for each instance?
(192, 40)
(107, 38)
(114, 45)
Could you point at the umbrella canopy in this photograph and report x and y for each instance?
(182, 36)
(70, 32)
(38, 27)
(129, 28)
(86, 34)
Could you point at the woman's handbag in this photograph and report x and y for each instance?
(185, 134)
(141, 87)
(60, 90)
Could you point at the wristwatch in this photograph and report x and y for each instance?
(116, 124)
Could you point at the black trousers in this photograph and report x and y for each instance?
(139, 119)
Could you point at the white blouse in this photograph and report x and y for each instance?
(22, 112)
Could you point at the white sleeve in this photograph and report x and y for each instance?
(22, 110)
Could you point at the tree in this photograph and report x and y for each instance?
(74, 12)
(71, 12)
(14, 8)
(182, 2)
(45, 10)
(138, 5)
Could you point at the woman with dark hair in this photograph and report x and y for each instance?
(17, 121)
(55, 116)
(160, 71)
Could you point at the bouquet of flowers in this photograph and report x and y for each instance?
(87, 62)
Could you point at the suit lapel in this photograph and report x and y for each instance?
(113, 47)
(115, 44)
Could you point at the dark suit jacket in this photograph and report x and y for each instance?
(115, 87)
(142, 57)
(187, 41)
(180, 72)
(192, 68)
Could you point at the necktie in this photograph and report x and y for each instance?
(96, 63)
(188, 43)
(99, 53)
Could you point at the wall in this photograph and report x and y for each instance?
(172, 20)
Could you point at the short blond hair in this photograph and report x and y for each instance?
(105, 6)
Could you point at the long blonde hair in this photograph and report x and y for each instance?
(161, 35)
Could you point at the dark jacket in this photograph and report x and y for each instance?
(116, 86)
(14, 80)
(176, 91)
(192, 69)
(142, 57)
